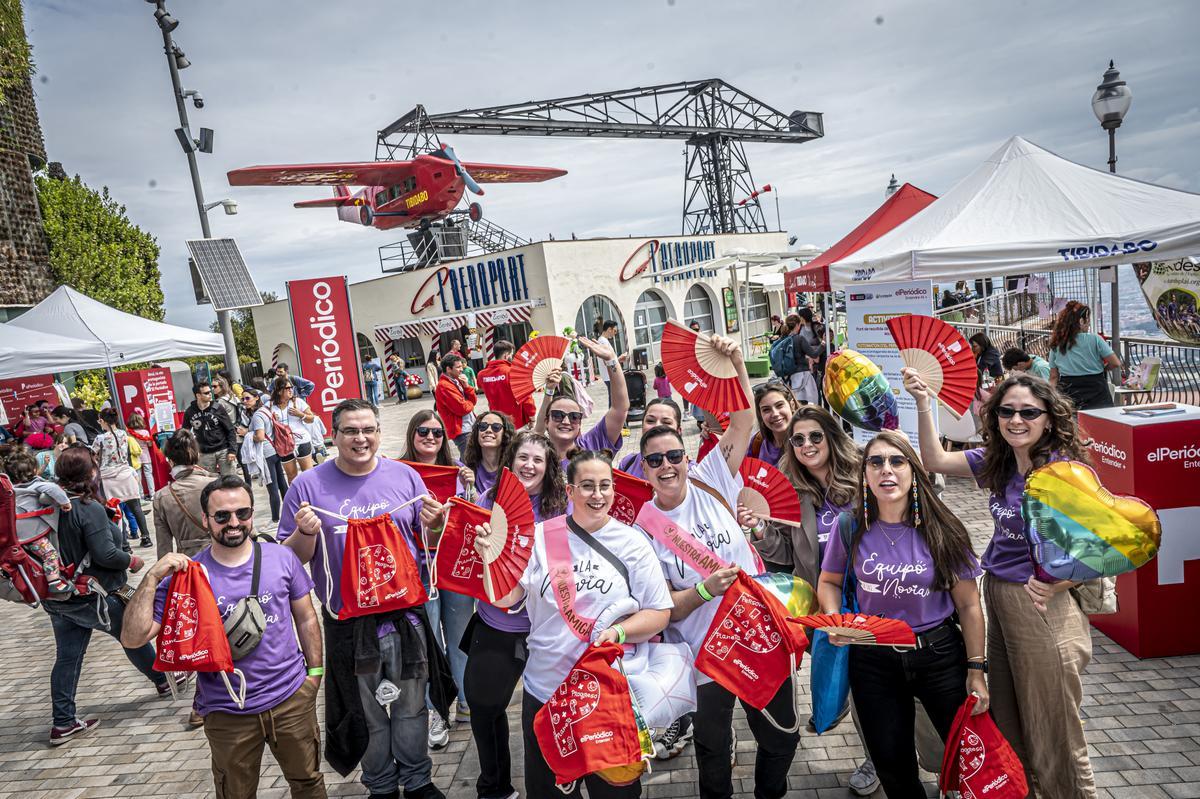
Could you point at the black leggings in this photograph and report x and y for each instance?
(135, 507)
(713, 735)
(277, 488)
(495, 660)
(539, 779)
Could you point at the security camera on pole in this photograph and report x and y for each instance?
(176, 61)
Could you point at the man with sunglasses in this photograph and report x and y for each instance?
(282, 678)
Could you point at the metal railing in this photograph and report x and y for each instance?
(448, 242)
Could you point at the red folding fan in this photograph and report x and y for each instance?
(505, 559)
(630, 494)
(767, 492)
(533, 362)
(862, 629)
(442, 481)
(940, 355)
(702, 375)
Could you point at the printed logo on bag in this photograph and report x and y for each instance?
(572, 702)
(182, 619)
(468, 563)
(623, 510)
(376, 565)
(971, 755)
(747, 625)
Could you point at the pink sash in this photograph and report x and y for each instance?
(683, 543)
(562, 577)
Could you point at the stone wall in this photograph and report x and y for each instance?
(25, 276)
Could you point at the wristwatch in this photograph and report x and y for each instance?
(978, 666)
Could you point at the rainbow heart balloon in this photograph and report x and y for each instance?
(795, 594)
(1077, 530)
(859, 393)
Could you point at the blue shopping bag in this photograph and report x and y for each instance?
(831, 664)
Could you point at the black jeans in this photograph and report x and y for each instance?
(884, 683)
(495, 660)
(713, 736)
(71, 643)
(277, 488)
(539, 779)
(135, 507)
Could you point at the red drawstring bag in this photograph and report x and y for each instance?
(191, 636)
(459, 567)
(379, 573)
(629, 495)
(588, 725)
(750, 649)
(978, 761)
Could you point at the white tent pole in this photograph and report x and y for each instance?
(112, 388)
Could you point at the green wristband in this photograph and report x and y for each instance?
(703, 592)
(316, 671)
(620, 633)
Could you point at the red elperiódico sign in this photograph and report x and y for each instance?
(325, 342)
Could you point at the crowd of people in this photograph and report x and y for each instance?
(874, 533)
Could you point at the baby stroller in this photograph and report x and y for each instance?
(635, 382)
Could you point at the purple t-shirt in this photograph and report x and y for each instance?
(766, 452)
(326, 486)
(596, 439)
(897, 579)
(484, 480)
(1008, 556)
(275, 668)
(827, 522)
(499, 618)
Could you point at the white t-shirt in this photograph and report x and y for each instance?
(553, 648)
(296, 423)
(702, 515)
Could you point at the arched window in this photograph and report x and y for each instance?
(649, 316)
(697, 307)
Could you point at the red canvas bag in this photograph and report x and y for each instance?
(379, 573)
(191, 635)
(750, 649)
(459, 567)
(588, 725)
(979, 763)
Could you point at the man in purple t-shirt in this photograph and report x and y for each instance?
(280, 678)
(365, 652)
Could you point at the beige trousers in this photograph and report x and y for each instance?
(1035, 663)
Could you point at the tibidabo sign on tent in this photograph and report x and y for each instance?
(325, 342)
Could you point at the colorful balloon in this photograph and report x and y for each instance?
(795, 594)
(1077, 530)
(859, 393)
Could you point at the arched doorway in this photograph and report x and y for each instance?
(366, 349)
(650, 314)
(595, 310)
(698, 307)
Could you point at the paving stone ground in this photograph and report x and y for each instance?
(1143, 716)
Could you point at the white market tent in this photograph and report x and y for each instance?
(1027, 210)
(123, 338)
(25, 352)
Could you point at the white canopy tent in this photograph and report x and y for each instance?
(25, 352)
(1027, 210)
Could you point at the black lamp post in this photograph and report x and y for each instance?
(1110, 103)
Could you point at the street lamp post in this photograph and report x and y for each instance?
(1110, 103)
(176, 61)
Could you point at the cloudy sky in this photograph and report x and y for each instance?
(921, 89)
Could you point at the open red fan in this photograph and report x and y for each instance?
(533, 362)
(631, 493)
(768, 493)
(940, 355)
(442, 481)
(461, 569)
(862, 629)
(702, 375)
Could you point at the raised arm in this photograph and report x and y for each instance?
(736, 438)
(933, 457)
(553, 378)
(618, 410)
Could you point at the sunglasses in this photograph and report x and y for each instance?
(425, 432)
(495, 427)
(655, 459)
(815, 437)
(876, 462)
(1028, 414)
(223, 516)
(575, 416)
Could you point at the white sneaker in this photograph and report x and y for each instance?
(864, 782)
(439, 736)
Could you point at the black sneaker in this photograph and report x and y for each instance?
(429, 791)
(389, 795)
(674, 738)
(61, 735)
(146, 542)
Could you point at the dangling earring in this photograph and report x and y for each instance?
(866, 510)
(916, 505)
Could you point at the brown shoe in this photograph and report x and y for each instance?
(195, 720)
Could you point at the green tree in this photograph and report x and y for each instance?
(16, 61)
(95, 249)
(243, 329)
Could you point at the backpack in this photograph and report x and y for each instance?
(783, 357)
(282, 439)
(22, 576)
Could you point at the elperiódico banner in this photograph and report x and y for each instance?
(325, 342)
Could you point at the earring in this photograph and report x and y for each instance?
(866, 510)
(916, 505)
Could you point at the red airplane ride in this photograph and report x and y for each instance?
(404, 194)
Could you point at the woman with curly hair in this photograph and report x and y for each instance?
(1038, 641)
(486, 444)
(1079, 359)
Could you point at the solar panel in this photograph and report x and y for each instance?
(223, 276)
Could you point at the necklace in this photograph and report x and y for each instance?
(896, 540)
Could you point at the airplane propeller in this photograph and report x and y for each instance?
(448, 152)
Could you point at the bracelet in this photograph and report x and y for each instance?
(978, 666)
(612, 365)
(316, 671)
(925, 410)
(703, 592)
(977, 659)
(759, 527)
(620, 633)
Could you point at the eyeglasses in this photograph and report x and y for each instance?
(603, 487)
(495, 427)
(655, 459)
(223, 516)
(895, 461)
(203, 393)
(354, 432)
(575, 416)
(1028, 414)
(425, 432)
(815, 437)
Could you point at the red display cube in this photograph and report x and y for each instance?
(148, 391)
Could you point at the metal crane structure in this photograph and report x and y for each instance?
(714, 119)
